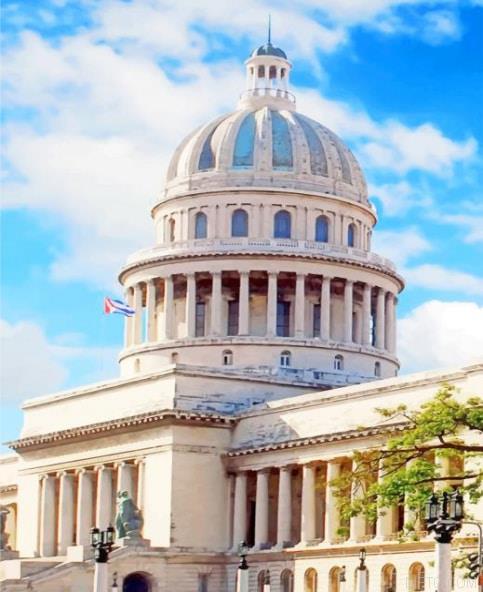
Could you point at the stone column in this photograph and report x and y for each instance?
(151, 310)
(140, 484)
(366, 315)
(261, 509)
(169, 321)
(190, 304)
(357, 523)
(104, 497)
(307, 531)
(325, 308)
(216, 295)
(272, 304)
(138, 316)
(300, 306)
(380, 330)
(85, 507)
(384, 516)
(284, 515)
(65, 524)
(124, 478)
(240, 510)
(47, 516)
(348, 310)
(244, 304)
(390, 323)
(129, 321)
(332, 513)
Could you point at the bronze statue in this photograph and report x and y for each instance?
(129, 520)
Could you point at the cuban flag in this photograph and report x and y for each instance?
(118, 307)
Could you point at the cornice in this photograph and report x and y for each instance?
(315, 440)
(115, 425)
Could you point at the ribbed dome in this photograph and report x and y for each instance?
(266, 147)
(269, 49)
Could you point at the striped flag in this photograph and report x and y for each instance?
(117, 307)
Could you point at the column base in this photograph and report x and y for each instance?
(262, 547)
(283, 545)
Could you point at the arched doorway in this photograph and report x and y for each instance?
(136, 582)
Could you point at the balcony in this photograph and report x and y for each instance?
(260, 245)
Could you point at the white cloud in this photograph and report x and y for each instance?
(471, 224)
(401, 246)
(398, 198)
(437, 277)
(32, 365)
(440, 334)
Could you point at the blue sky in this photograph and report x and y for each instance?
(96, 95)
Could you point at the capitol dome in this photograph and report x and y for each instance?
(266, 143)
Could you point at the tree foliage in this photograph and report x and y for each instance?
(437, 445)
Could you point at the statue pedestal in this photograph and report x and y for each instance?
(134, 542)
(8, 554)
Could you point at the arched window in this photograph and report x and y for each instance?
(322, 229)
(285, 359)
(310, 580)
(201, 225)
(263, 580)
(388, 580)
(334, 579)
(136, 582)
(272, 73)
(282, 225)
(416, 577)
(261, 71)
(377, 369)
(286, 581)
(282, 73)
(339, 362)
(171, 230)
(227, 357)
(239, 223)
(351, 235)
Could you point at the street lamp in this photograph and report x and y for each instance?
(266, 581)
(242, 571)
(444, 517)
(102, 542)
(114, 587)
(342, 579)
(362, 572)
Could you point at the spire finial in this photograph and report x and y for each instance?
(269, 28)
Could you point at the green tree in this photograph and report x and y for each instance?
(444, 432)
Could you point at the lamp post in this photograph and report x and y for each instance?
(362, 572)
(266, 581)
(242, 571)
(102, 542)
(114, 587)
(444, 516)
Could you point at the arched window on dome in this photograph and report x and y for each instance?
(322, 229)
(171, 230)
(272, 73)
(207, 156)
(339, 362)
(417, 577)
(282, 153)
(227, 357)
(285, 359)
(310, 580)
(239, 223)
(351, 235)
(283, 73)
(282, 225)
(377, 369)
(318, 158)
(261, 71)
(201, 225)
(286, 581)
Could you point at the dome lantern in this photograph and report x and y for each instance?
(267, 78)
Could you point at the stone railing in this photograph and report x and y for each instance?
(268, 92)
(259, 245)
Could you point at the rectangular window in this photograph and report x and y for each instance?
(283, 319)
(316, 323)
(233, 317)
(200, 319)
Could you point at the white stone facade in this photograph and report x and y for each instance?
(249, 367)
